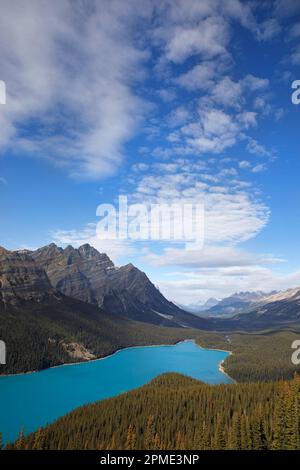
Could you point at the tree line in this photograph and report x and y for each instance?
(175, 412)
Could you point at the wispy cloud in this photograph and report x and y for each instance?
(72, 95)
(188, 287)
(232, 213)
(69, 69)
(77, 237)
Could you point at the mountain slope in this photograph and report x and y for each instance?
(42, 327)
(278, 310)
(90, 276)
(236, 303)
(21, 278)
(57, 331)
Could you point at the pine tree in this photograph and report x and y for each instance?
(291, 400)
(180, 441)
(279, 420)
(219, 439)
(112, 445)
(234, 441)
(131, 438)
(149, 434)
(20, 443)
(259, 439)
(246, 443)
(157, 442)
(39, 439)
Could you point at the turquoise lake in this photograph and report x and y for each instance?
(31, 400)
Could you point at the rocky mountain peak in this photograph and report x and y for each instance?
(21, 278)
(47, 251)
(3, 251)
(89, 252)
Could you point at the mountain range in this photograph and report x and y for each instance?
(90, 276)
(277, 310)
(61, 305)
(229, 306)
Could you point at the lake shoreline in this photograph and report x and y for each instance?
(222, 363)
(66, 364)
(221, 368)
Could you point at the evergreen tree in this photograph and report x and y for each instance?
(149, 434)
(131, 438)
(234, 442)
(219, 439)
(20, 443)
(39, 439)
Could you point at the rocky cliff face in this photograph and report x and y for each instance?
(77, 273)
(90, 276)
(80, 273)
(21, 278)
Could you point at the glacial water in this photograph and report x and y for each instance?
(29, 401)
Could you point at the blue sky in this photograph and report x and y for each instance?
(164, 101)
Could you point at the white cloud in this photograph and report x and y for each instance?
(286, 8)
(199, 77)
(295, 56)
(232, 214)
(167, 94)
(255, 83)
(216, 130)
(207, 38)
(69, 67)
(189, 287)
(227, 92)
(77, 83)
(259, 168)
(115, 249)
(269, 29)
(178, 116)
(294, 32)
(209, 257)
(258, 149)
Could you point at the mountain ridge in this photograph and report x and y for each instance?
(88, 275)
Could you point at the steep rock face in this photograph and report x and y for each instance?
(129, 290)
(90, 276)
(21, 278)
(76, 273)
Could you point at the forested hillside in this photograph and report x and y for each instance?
(177, 412)
(40, 335)
(255, 357)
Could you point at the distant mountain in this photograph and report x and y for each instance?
(274, 311)
(236, 303)
(90, 276)
(200, 307)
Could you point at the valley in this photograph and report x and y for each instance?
(67, 306)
